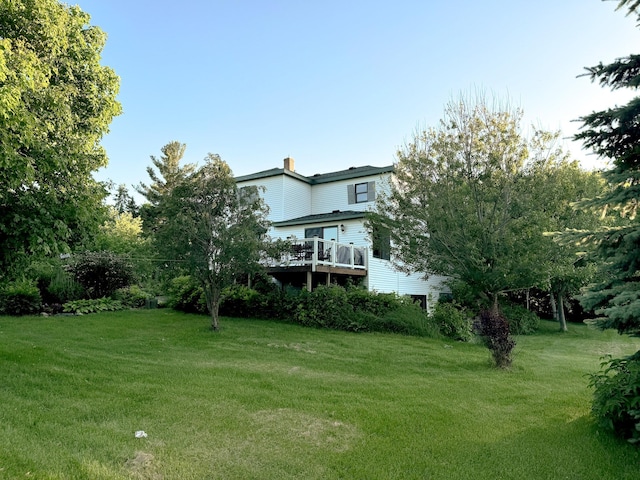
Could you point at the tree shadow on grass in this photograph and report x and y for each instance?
(576, 449)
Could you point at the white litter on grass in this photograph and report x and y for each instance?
(141, 434)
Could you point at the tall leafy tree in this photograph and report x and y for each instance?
(121, 233)
(464, 204)
(56, 103)
(553, 184)
(214, 229)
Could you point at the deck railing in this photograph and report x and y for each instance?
(318, 251)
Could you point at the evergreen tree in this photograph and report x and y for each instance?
(124, 202)
(615, 134)
(168, 175)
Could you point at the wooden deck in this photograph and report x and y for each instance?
(313, 261)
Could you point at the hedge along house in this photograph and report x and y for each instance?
(323, 217)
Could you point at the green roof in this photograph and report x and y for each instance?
(353, 172)
(335, 216)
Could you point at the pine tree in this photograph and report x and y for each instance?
(168, 175)
(615, 134)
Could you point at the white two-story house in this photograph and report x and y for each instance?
(322, 216)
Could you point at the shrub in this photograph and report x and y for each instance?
(56, 285)
(328, 307)
(358, 310)
(241, 301)
(63, 288)
(452, 321)
(93, 305)
(186, 295)
(101, 273)
(52, 308)
(377, 304)
(494, 330)
(350, 309)
(132, 296)
(521, 321)
(616, 401)
(21, 297)
(407, 318)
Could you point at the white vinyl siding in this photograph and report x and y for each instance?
(296, 198)
(383, 278)
(289, 197)
(286, 197)
(341, 195)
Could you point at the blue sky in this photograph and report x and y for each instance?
(344, 83)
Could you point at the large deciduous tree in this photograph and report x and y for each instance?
(465, 201)
(552, 185)
(214, 229)
(56, 103)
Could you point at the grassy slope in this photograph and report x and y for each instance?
(269, 400)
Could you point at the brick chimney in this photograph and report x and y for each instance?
(289, 164)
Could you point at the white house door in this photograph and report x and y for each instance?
(326, 233)
(330, 233)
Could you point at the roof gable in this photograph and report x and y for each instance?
(348, 174)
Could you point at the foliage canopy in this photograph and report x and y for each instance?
(614, 134)
(56, 103)
(216, 231)
(473, 198)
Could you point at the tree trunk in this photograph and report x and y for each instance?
(528, 299)
(215, 323)
(212, 295)
(561, 318)
(494, 303)
(554, 307)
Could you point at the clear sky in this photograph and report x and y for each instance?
(340, 83)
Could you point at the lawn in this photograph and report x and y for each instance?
(268, 400)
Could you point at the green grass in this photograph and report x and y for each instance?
(263, 400)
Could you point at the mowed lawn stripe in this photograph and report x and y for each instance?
(273, 400)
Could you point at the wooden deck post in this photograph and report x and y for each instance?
(309, 281)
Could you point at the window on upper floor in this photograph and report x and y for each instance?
(249, 194)
(361, 192)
